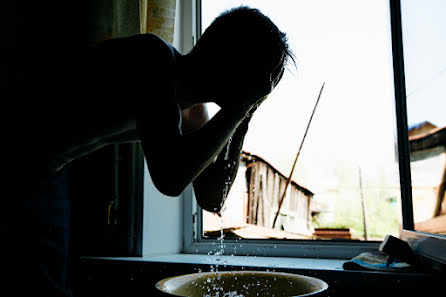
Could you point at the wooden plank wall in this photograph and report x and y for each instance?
(265, 189)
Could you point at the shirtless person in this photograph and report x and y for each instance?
(134, 89)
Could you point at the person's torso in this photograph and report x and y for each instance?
(91, 100)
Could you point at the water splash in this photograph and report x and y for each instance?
(228, 146)
(228, 294)
(228, 168)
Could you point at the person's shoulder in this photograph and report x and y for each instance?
(150, 38)
(147, 41)
(135, 44)
(152, 48)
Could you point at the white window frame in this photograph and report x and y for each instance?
(429, 247)
(194, 243)
(182, 229)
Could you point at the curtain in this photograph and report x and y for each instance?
(113, 19)
(158, 17)
(122, 18)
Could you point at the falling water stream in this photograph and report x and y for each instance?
(237, 284)
(217, 287)
(215, 284)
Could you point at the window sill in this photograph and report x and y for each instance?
(237, 261)
(132, 276)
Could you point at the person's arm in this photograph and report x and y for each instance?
(176, 160)
(212, 186)
(194, 117)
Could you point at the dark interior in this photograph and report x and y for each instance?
(104, 193)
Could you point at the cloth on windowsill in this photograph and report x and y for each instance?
(376, 260)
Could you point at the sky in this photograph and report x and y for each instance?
(347, 45)
(425, 60)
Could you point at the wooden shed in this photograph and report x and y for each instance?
(265, 185)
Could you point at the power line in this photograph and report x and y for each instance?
(427, 82)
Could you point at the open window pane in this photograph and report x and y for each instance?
(424, 43)
(346, 181)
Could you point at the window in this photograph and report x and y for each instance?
(419, 60)
(346, 182)
(425, 73)
(354, 173)
(345, 191)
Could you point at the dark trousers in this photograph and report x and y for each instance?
(34, 233)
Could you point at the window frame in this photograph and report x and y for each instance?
(428, 247)
(194, 243)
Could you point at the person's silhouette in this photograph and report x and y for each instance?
(135, 89)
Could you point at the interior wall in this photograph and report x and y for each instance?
(163, 215)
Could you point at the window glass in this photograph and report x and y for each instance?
(346, 182)
(424, 43)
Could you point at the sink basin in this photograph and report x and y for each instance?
(241, 284)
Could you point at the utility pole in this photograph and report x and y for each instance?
(297, 156)
(364, 207)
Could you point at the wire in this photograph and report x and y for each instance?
(427, 82)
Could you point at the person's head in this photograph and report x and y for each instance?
(242, 44)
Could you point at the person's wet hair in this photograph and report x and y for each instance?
(244, 38)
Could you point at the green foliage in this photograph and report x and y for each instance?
(382, 214)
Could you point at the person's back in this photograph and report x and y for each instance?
(74, 106)
(81, 103)
(133, 89)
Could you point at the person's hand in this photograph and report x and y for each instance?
(256, 89)
(248, 94)
(254, 107)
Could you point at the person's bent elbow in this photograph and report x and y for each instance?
(168, 184)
